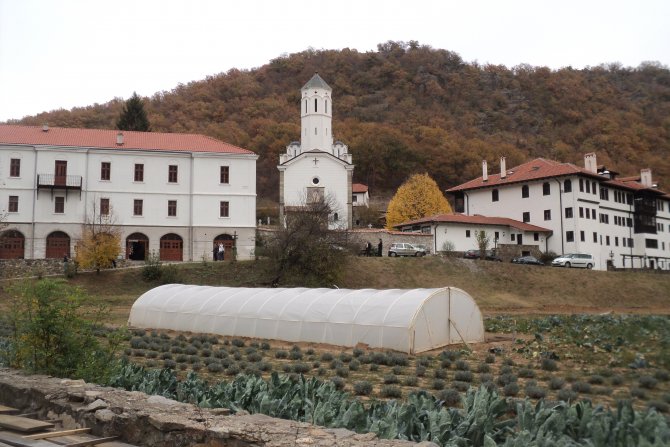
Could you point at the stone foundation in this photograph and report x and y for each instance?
(154, 421)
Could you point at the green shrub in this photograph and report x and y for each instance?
(648, 382)
(254, 357)
(397, 370)
(301, 368)
(281, 354)
(237, 342)
(206, 353)
(265, 346)
(391, 392)
(526, 373)
(295, 355)
(374, 367)
(662, 376)
(390, 379)
(411, 381)
(440, 374)
(549, 365)
(233, 370)
(215, 367)
(506, 379)
(462, 365)
(490, 358)
(463, 376)
(152, 267)
(596, 379)
(327, 357)
(567, 395)
(511, 389)
(638, 393)
(437, 384)
(556, 383)
(581, 387)
(345, 357)
(535, 392)
(483, 368)
(339, 383)
(342, 371)
(354, 365)
(170, 364)
(450, 397)
(420, 371)
(357, 352)
(170, 274)
(362, 388)
(617, 380)
(659, 405)
(460, 386)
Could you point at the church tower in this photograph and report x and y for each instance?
(316, 115)
(316, 166)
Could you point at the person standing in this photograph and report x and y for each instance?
(379, 248)
(221, 251)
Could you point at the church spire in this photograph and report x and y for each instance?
(316, 115)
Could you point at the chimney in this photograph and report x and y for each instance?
(485, 171)
(503, 168)
(45, 127)
(590, 163)
(645, 178)
(119, 139)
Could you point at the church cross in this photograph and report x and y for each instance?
(316, 160)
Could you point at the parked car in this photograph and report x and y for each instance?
(405, 249)
(582, 260)
(471, 254)
(422, 247)
(532, 260)
(489, 256)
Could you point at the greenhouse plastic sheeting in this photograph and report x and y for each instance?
(411, 320)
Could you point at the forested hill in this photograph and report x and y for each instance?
(409, 108)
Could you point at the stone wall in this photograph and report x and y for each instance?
(154, 421)
(24, 268)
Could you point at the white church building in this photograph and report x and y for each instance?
(317, 168)
(177, 195)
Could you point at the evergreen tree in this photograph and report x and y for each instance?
(133, 116)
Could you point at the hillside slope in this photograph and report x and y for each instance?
(410, 108)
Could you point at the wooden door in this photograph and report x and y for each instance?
(171, 248)
(60, 173)
(58, 245)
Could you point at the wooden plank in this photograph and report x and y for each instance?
(91, 442)
(56, 434)
(24, 425)
(67, 440)
(8, 410)
(18, 441)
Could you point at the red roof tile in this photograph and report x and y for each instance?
(537, 169)
(359, 187)
(100, 138)
(477, 220)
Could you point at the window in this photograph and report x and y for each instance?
(336, 217)
(582, 236)
(467, 233)
(497, 236)
(316, 101)
(651, 243)
(569, 236)
(137, 207)
(659, 203)
(59, 205)
(595, 237)
(513, 237)
(581, 185)
(607, 240)
(104, 207)
(588, 213)
(604, 218)
(139, 172)
(547, 214)
(172, 174)
(630, 242)
(524, 191)
(546, 189)
(105, 170)
(567, 186)
(536, 236)
(588, 187)
(224, 209)
(604, 193)
(593, 214)
(526, 216)
(15, 167)
(581, 212)
(224, 175)
(305, 106)
(623, 239)
(568, 213)
(494, 195)
(616, 241)
(13, 206)
(594, 189)
(172, 208)
(354, 199)
(326, 106)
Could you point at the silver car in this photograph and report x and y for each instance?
(405, 249)
(582, 260)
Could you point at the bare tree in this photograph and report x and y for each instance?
(100, 242)
(304, 252)
(483, 242)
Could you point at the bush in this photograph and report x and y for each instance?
(378, 358)
(617, 380)
(265, 346)
(152, 267)
(596, 379)
(556, 383)
(437, 384)
(237, 342)
(526, 373)
(662, 376)
(483, 368)
(535, 392)
(345, 357)
(281, 354)
(295, 355)
(423, 361)
(301, 368)
(390, 379)
(508, 361)
(490, 358)
(233, 370)
(342, 371)
(506, 379)
(357, 352)
(215, 367)
(339, 383)
(171, 364)
(638, 393)
(659, 405)
(463, 376)
(511, 389)
(460, 386)
(397, 370)
(581, 387)
(362, 388)
(462, 365)
(391, 392)
(647, 382)
(440, 374)
(327, 357)
(450, 355)
(567, 395)
(170, 274)
(254, 357)
(450, 397)
(374, 367)
(354, 365)
(420, 371)
(206, 353)
(411, 381)
(549, 365)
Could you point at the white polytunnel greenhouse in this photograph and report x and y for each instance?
(408, 320)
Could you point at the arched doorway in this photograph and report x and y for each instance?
(171, 247)
(228, 242)
(137, 246)
(12, 245)
(58, 245)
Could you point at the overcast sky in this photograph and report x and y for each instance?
(68, 53)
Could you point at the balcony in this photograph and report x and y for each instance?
(54, 182)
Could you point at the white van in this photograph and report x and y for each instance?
(582, 260)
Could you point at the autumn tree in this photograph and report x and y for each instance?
(133, 116)
(483, 240)
(100, 242)
(418, 197)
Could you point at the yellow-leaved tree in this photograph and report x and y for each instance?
(100, 242)
(418, 197)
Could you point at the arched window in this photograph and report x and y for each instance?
(305, 106)
(316, 101)
(335, 217)
(326, 106)
(494, 195)
(546, 189)
(524, 191)
(567, 186)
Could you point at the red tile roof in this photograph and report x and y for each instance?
(477, 220)
(100, 138)
(537, 169)
(359, 187)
